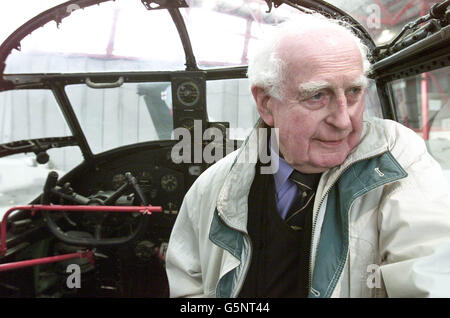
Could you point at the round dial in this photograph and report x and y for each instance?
(169, 182)
(188, 93)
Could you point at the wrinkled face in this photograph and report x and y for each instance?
(319, 116)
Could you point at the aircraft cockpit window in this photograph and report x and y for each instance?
(31, 119)
(109, 106)
(383, 20)
(422, 104)
(22, 176)
(230, 27)
(28, 114)
(112, 36)
(231, 101)
(373, 106)
(131, 113)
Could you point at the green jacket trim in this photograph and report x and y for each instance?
(230, 240)
(332, 251)
(226, 237)
(360, 178)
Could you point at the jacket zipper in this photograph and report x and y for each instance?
(342, 265)
(316, 293)
(312, 240)
(246, 264)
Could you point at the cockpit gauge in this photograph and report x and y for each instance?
(170, 208)
(169, 182)
(188, 93)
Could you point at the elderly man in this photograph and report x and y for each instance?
(356, 207)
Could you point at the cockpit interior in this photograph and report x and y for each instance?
(95, 97)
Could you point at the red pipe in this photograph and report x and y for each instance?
(401, 103)
(83, 208)
(383, 9)
(112, 36)
(424, 93)
(396, 19)
(439, 88)
(45, 260)
(424, 100)
(248, 35)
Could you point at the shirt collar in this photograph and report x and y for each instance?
(284, 169)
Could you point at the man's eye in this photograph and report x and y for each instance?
(317, 97)
(355, 90)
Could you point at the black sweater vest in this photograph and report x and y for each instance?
(280, 259)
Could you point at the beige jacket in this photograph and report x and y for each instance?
(381, 224)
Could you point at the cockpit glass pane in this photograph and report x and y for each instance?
(114, 117)
(231, 101)
(223, 32)
(373, 105)
(15, 13)
(30, 114)
(384, 19)
(22, 177)
(422, 104)
(112, 36)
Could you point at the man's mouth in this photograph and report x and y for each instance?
(331, 143)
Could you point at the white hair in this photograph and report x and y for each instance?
(267, 70)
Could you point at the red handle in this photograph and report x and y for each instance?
(44, 260)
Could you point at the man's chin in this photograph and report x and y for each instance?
(327, 161)
(310, 168)
(320, 162)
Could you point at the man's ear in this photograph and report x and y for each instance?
(262, 100)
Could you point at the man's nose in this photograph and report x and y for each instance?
(339, 116)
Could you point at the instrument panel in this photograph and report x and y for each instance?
(134, 268)
(163, 182)
(161, 185)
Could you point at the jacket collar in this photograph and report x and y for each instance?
(373, 142)
(232, 202)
